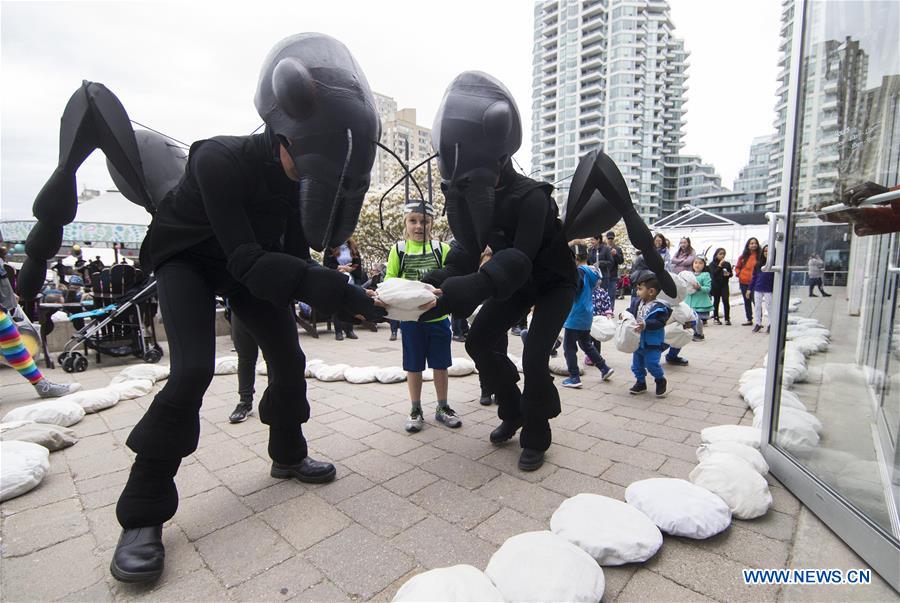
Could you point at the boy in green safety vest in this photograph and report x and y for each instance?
(422, 341)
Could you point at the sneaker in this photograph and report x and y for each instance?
(338, 336)
(459, 338)
(757, 328)
(416, 421)
(606, 373)
(661, 385)
(698, 338)
(393, 336)
(588, 361)
(352, 335)
(826, 295)
(240, 412)
(813, 295)
(727, 322)
(486, 400)
(747, 324)
(639, 387)
(447, 416)
(47, 389)
(573, 382)
(717, 321)
(676, 360)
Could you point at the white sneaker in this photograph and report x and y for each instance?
(415, 422)
(47, 389)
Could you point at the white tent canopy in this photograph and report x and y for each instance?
(708, 231)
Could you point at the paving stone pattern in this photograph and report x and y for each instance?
(402, 503)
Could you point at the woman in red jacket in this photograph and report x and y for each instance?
(744, 270)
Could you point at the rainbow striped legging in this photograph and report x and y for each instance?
(12, 348)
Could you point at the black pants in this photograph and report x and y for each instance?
(170, 429)
(572, 340)
(721, 293)
(748, 302)
(816, 282)
(341, 326)
(248, 354)
(538, 402)
(460, 326)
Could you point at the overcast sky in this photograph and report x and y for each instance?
(190, 69)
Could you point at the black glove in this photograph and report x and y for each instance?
(328, 291)
(357, 303)
(461, 295)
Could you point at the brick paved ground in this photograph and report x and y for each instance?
(402, 503)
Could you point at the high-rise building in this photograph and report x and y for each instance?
(398, 126)
(608, 74)
(694, 178)
(776, 157)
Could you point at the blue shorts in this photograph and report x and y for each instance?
(426, 341)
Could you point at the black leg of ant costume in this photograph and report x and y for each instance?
(239, 223)
(476, 131)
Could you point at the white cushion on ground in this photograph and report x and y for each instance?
(559, 367)
(794, 415)
(754, 374)
(403, 297)
(457, 583)
(428, 375)
(360, 374)
(95, 400)
(226, 365)
(390, 374)
(132, 389)
(461, 367)
(55, 412)
(734, 480)
(603, 328)
(748, 453)
(798, 431)
(811, 344)
(627, 339)
(331, 372)
(51, 437)
(682, 313)
(677, 336)
(611, 531)
(516, 360)
(754, 394)
(742, 434)
(152, 372)
(541, 566)
(680, 288)
(679, 507)
(4, 427)
(24, 466)
(311, 366)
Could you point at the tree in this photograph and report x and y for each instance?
(373, 242)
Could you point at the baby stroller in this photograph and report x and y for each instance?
(121, 325)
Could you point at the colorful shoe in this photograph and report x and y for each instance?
(416, 421)
(573, 382)
(639, 387)
(606, 373)
(447, 416)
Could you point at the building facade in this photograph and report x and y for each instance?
(398, 126)
(608, 74)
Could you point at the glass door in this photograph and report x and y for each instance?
(836, 339)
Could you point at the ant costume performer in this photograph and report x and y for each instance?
(476, 132)
(239, 223)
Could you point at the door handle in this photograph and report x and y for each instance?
(774, 237)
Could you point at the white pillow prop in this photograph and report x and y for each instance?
(627, 339)
(24, 466)
(749, 436)
(754, 374)
(151, 372)
(754, 394)
(681, 291)
(457, 583)
(361, 374)
(132, 389)
(734, 480)
(312, 366)
(603, 328)
(95, 400)
(541, 566)
(227, 365)
(51, 437)
(390, 374)
(59, 316)
(403, 298)
(461, 367)
(798, 431)
(679, 507)
(610, 531)
(428, 375)
(263, 369)
(690, 279)
(682, 313)
(331, 372)
(559, 367)
(810, 344)
(748, 453)
(55, 412)
(677, 336)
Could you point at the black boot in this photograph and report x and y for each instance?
(505, 431)
(530, 459)
(307, 470)
(486, 400)
(240, 412)
(338, 335)
(139, 555)
(351, 334)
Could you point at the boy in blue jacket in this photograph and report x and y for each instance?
(578, 324)
(651, 316)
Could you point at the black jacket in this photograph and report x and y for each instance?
(719, 280)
